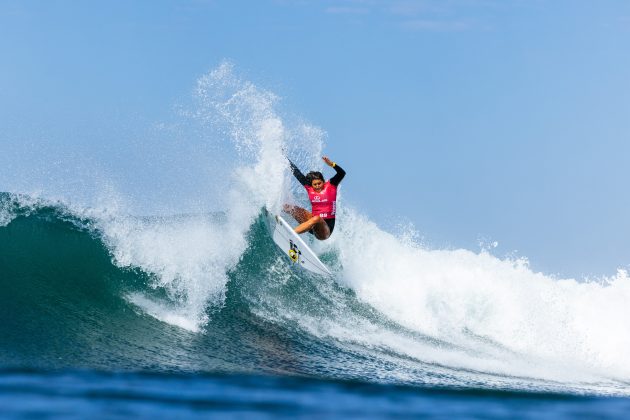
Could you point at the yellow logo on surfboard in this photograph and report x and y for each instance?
(294, 251)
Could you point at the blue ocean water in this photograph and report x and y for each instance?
(108, 312)
(90, 394)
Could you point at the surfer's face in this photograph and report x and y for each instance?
(317, 184)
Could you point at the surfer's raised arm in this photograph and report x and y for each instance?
(335, 180)
(297, 174)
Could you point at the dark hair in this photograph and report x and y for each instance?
(313, 175)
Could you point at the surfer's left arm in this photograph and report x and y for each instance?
(335, 180)
(298, 174)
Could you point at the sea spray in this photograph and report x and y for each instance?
(472, 299)
(191, 259)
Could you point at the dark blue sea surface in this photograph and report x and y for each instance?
(84, 333)
(90, 394)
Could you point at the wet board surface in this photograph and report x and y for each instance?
(294, 247)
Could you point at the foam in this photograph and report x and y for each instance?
(14, 205)
(468, 299)
(162, 311)
(6, 214)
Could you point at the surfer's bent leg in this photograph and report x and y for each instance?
(308, 221)
(319, 228)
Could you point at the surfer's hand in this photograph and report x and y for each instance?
(329, 162)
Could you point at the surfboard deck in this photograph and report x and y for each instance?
(299, 253)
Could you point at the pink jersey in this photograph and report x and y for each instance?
(324, 202)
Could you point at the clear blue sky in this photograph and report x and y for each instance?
(506, 120)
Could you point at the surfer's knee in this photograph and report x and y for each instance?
(322, 234)
(321, 229)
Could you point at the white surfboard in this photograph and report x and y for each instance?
(291, 244)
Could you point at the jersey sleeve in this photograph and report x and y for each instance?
(335, 180)
(297, 174)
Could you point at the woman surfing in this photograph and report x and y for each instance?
(322, 194)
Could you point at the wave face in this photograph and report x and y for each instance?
(91, 286)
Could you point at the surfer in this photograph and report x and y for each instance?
(322, 194)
